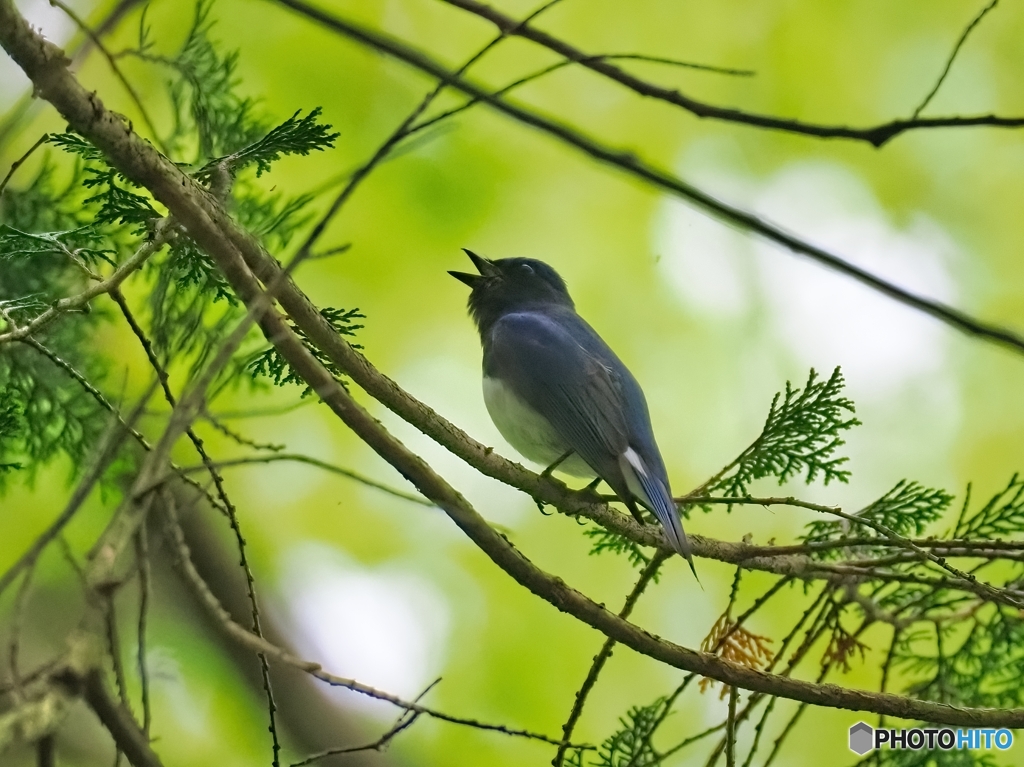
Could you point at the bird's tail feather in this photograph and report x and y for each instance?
(654, 494)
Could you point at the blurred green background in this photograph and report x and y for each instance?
(711, 321)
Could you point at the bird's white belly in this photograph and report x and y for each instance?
(527, 431)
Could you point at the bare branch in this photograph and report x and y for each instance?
(226, 503)
(405, 720)
(876, 135)
(258, 644)
(396, 137)
(311, 461)
(632, 165)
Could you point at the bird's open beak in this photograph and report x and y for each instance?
(485, 267)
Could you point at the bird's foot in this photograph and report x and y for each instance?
(591, 489)
(556, 464)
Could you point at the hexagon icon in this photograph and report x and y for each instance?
(862, 738)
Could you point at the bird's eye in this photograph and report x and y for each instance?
(526, 269)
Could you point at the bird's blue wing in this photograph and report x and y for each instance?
(549, 370)
(566, 373)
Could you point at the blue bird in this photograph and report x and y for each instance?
(558, 394)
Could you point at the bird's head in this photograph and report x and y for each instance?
(511, 284)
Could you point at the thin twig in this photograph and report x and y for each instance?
(676, 63)
(97, 395)
(310, 460)
(566, 63)
(235, 436)
(819, 625)
(730, 731)
(666, 709)
(143, 567)
(648, 574)
(396, 137)
(896, 631)
(21, 161)
(757, 605)
(970, 581)
(182, 416)
(952, 56)
(98, 42)
(405, 720)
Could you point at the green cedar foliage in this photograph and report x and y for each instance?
(630, 745)
(271, 364)
(1001, 517)
(77, 217)
(48, 242)
(908, 509)
(800, 437)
